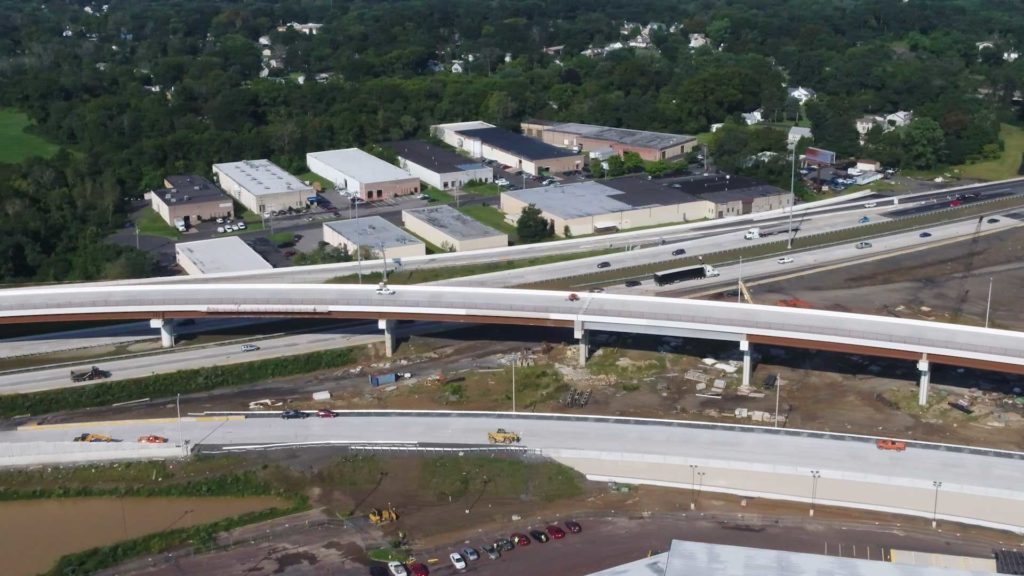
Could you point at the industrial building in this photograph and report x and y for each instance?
(636, 201)
(449, 229)
(362, 174)
(449, 134)
(439, 167)
(650, 146)
(518, 152)
(227, 254)
(375, 233)
(699, 559)
(191, 199)
(261, 186)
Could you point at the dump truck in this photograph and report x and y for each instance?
(92, 373)
(683, 274)
(502, 436)
(891, 445)
(378, 516)
(87, 437)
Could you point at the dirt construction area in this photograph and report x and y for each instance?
(447, 504)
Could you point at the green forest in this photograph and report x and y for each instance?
(147, 88)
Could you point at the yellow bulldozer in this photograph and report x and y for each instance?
(502, 436)
(378, 516)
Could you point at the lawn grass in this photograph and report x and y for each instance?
(483, 189)
(16, 144)
(438, 195)
(424, 275)
(325, 184)
(278, 238)
(491, 217)
(151, 224)
(1006, 165)
(469, 476)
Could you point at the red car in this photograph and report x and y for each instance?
(573, 526)
(555, 532)
(418, 569)
(324, 413)
(520, 539)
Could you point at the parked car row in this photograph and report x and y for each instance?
(302, 415)
(229, 226)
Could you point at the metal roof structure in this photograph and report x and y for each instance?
(226, 254)
(434, 158)
(452, 222)
(626, 136)
(261, 177)
(189, 189)
(372, 231)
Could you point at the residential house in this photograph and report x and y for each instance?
(698, 40)
(264, 40)
(755, 117)
(801, 94)
(554, 50)
(307, 29)
(457, 67)
(898, 119)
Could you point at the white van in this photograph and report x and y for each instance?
(249, 347)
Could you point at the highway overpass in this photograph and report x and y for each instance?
(745, 324)
(929, 480)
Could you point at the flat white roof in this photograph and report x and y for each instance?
(261, 177)
(371, 231)
(450, 221)
(459, 126)
(227, 254)
(359, 165)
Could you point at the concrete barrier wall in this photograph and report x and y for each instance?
(14, 454)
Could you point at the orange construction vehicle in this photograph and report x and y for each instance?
(152, 439)
(891, 445)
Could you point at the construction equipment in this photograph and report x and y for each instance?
(891, 445)
(152, 439)
(502, 436)
(378, 516)
(92, 373)
(87, 437)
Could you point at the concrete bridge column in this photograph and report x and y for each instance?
(745, 347)
(388, 326)
(166, 331)
(584, 338)
(926, 376)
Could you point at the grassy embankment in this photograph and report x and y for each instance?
(166, 385)
(15, 143)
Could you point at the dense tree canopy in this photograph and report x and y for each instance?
(152, 87)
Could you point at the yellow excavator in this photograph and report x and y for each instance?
(378, 516)
(87, 437)
(502, 436)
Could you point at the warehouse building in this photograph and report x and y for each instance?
(449, 229)
(261, 186)
(191, 199)
(362, 174)
(439, 167)
(519, 152)
(449, 134)
(217, 255)
(636, 201)
(375, 233)
(650, 146)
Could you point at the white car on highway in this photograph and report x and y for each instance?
(785, 260)
(501, 182)
(871, 205)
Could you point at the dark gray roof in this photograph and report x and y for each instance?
(434, 158)
(189, 189)
(517, 144)
(629, 137)
(714, 188)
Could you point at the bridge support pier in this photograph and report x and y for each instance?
(745, 347)
(584, 338)
(926, 376)
(388, 326)
(166, 331)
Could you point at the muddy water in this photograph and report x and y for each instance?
(35, 533)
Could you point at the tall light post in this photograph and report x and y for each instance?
(815, 474)
(935, 505)
(384, 263)
(778, 384)
(700, 483)
(988, 306)
(792, 199)
(739, 283)
(515, 360)
(181, 439)
(693, 486)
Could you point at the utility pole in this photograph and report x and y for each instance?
(988, 307)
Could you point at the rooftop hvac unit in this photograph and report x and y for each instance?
(185, 198)
(167, 196)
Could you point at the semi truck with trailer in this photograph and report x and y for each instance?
(761, 232)
(684, 274)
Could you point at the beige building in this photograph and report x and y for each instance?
(362, 174)
(218, 255)
(374, 233)
(449, 134)
(650, 146)
(449, 229)
(634, 201)
(190, 199)
(262, 186)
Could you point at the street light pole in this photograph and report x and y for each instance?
(515, 360)
(815, 474)
(384, 263)
(693, 486)
(935, 506)
(739, 283)
(181, 440)
(988, 307)
(778, 384)
(700, 483)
